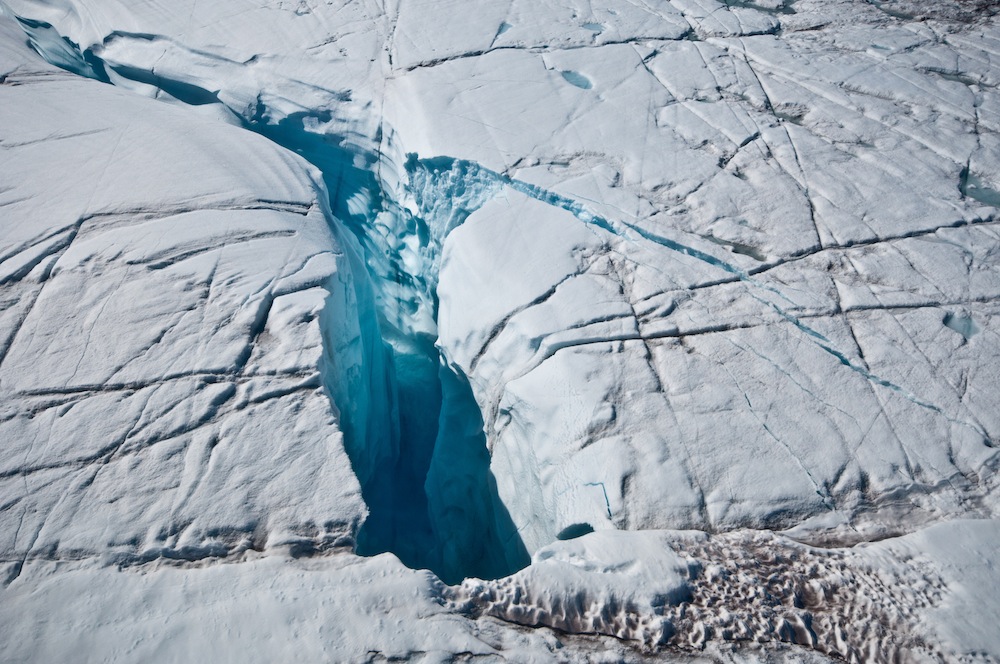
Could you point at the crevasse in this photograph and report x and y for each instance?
(412, 428)
(412, 425)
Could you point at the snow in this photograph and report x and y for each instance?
(604, 583)
(341, 611)
(144, 410)
(964, 554)
(612, 315)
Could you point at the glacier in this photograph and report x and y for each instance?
(604, 331)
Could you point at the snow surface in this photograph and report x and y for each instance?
(653, 329)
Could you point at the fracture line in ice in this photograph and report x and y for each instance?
(632, 232)
(411, 425)
(607, 502)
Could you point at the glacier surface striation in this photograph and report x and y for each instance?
(514, 331)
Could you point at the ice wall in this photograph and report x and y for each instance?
(412, 425)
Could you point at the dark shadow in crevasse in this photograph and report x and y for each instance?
(431, 496)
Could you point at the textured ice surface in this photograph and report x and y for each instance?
(495, 282)
(143, 410)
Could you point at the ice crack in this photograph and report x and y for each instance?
(633, 232)
(411, 425)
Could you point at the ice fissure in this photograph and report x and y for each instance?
(412, 428)
(412, 425)
(421, 448)
(58, 50)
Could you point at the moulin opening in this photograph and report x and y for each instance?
(412, 427)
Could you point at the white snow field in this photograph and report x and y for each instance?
(497, 330)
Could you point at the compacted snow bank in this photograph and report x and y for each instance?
(625, 269)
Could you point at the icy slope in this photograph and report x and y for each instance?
(163, 279)
(609, 267)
